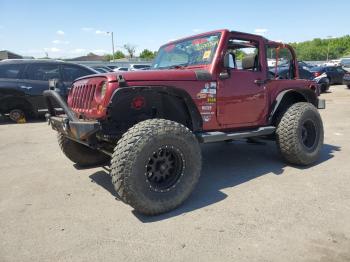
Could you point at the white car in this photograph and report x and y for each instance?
(117, 69)
(137, 67)
(332, 63)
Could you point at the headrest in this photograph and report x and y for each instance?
(248, 62)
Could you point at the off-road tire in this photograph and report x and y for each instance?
(348, 86)
(81, 155)
(136, 149)
(297, 146)
(324, 88)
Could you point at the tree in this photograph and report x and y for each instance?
(147, 54)
(117, 55)
(317, 48)
(130, 49)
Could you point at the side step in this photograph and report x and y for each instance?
(209, 137)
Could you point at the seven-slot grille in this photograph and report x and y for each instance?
(82, 97)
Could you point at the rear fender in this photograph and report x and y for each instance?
(291, 96)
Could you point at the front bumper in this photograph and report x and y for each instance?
(68, 124)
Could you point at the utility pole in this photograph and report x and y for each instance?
(111, 33)
(329, 37)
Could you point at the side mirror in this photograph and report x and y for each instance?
(229, 61)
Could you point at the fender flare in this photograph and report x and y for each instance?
(307, 94)
(196, 119)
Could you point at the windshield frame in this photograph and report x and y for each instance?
(187, 65)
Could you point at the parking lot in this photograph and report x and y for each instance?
(248, 206)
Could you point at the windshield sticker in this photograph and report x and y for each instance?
(206, 54)
(199, 41)
(169, 48)
(204, 46)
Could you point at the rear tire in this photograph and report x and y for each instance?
(80, 154)
(156, 165)
(300, 134)
(324, 87)
(17, 115)
(348, 86)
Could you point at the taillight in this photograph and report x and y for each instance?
(316, 74)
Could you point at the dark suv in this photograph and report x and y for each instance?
(334, 74)
(22, 83)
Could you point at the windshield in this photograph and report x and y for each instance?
(316, 69)
(189, 52)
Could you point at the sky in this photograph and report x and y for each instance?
(71, 28)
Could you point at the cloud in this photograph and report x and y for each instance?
(99, 32)
(52, 49)
(196, 30)
(78, 51)
(87, 29)
(261, 31)
(58, 42)
(99, 51)
(32, 51)
(59, 32)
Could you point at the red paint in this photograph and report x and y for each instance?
(238, 103)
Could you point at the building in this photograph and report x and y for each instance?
(88, 57)
(5, 54)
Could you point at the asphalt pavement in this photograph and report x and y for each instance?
(248, 206)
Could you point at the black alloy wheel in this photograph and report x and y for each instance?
(164, 168)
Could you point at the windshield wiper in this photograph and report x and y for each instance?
(181, 66)
(178, 66)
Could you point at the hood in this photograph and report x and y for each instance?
(166, 75)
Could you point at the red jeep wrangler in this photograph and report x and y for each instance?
(206, 88)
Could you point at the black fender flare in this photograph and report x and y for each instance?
(306, 94)
(196, 119)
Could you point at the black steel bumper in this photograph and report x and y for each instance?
(68, 124)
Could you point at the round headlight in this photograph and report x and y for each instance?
(103, 89)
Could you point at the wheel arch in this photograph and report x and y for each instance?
(8, 103)
(159, 102)
(291, 96)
